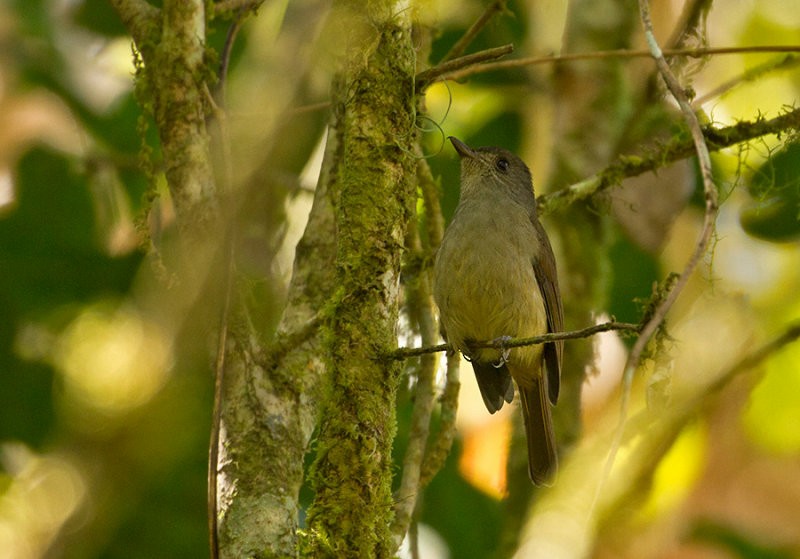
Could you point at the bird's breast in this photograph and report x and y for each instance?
(485, 285)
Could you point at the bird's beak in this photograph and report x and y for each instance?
(463, 149)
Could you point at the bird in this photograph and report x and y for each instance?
(495, 278)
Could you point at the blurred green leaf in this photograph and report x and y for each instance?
(50, 260)
(48, 251)
(26, 400)
(774, 212)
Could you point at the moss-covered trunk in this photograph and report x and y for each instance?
(324, 367)
(373, 202)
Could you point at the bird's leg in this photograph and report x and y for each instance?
(505, 352)
(466, 351)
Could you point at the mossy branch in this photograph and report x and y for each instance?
(175, 77)
(373, 203)
(678, 148)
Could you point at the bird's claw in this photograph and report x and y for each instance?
(505, 352)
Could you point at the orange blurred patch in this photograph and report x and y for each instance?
(483, 460)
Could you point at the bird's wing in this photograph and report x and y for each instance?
(544, 267)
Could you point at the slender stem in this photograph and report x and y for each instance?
(711, 203)
(422, 312)
(752, 74)
(222, 339)
(711, 207)
(225, 55)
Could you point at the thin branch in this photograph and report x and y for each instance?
(212, 497)
(413, 540)
(222, 338)
(420, 302)
(406, 352)
(709, 188)
(461, 45)
(463, 72)
(711, 208)
(643, 453)
(426, 77)
(410, 487)
(304, 109)
(434, 220)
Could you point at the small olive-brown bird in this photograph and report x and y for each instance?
(495, 279)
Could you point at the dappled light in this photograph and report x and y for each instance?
(112, 360)
(40, 495)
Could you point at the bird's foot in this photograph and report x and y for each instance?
(505, 352)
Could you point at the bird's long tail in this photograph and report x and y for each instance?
(542, 456)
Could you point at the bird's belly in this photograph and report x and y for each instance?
(492, 293)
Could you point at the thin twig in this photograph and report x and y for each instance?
(413, 540)
(425, 77)
(711, 207)
(310, 108)
(422, 312)
(466, 71)
(461, 45)
(406, 352)
(219, 375)
(222, 339)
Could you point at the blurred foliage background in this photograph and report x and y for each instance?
(106, 370)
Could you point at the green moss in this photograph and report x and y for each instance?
(373, 201)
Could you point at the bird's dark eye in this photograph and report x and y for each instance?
(502, 164)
